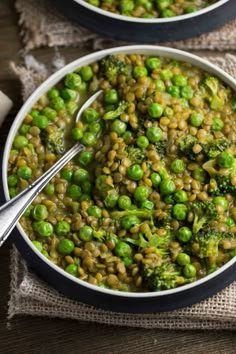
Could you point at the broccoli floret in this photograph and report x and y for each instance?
(185, 146)
(161, 148)
(166, 276)
(112, 67)
(209, 241)
(204, 214)
(55, 142)
(110, 115)
(220, 185)
(135, 155)
(215, 147)
(148, 239)
(211, 84)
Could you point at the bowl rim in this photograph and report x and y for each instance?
(150, 20)
(55, 78)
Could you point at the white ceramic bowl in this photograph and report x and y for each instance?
(74, 287)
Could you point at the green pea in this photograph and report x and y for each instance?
(199, 174)
(57, 104)
(118, 126)
(62, 228)
(67, 174)
(141, 193)
(72, 269)
(230, 222)
(139, 71)
(129, 221)
(187, 92)
(180, 196)
(101, 183)
(84, 197)
(124, 202)
(155, 110)
(153, 63)
(225, 159)
(86, 233)
(166, 74)
(80, 175)
(12, 180)
(111, 96)
(95, 127)
(38, 245)
(89, 139)
(39, 212)
(179, 80)
(174, 91)
(221, 201)
(68, 94)
(65, 246)
(163, 4)
(50, 113)
(43, 228)
(74, 191)
(73, 81)
(184, 234)
(183, 259)
(142, 142)
(12, 192)
(217, 124)
(24, 172)
(53, 93)
(85, 158)
(90, 115)
(177, 166)
(24, 129)
(20, 142)
(40, 122)
(94, 211)
(127, 136)
(180, 212)
(160, 85)
(111, 199)
(154, 134)
(126, 6)
(135, 172)
(147, 204)
(155, 178)
(167, 186)
(196, 119)
(49, 189)
(190, 271)
(122, 249)
(168, 13)
(86, 73)
(128, 261)
(190, 9)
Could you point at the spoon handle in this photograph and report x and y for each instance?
(14, 208)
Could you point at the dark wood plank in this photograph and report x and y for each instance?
(26, 335)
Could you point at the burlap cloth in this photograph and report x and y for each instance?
(42, 25)
(30, 295)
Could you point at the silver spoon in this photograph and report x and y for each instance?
(11, 211)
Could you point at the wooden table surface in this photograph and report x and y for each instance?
(54, 336)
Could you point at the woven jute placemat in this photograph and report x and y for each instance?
(30, 295)
(43, 25)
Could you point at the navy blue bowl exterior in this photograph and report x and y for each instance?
(147, 32)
